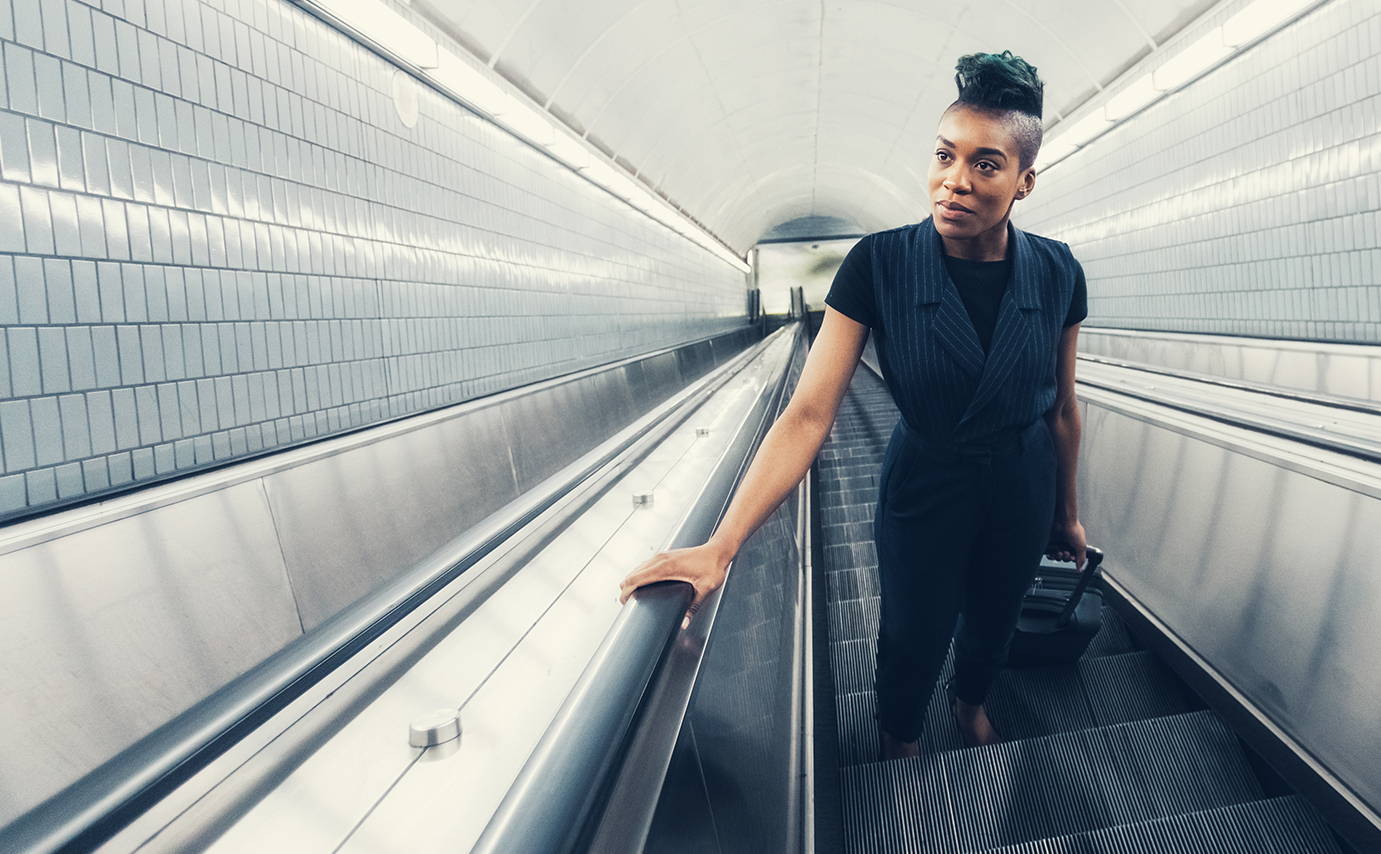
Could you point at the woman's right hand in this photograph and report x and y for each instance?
(704, 567)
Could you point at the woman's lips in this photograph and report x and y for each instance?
(952, 210)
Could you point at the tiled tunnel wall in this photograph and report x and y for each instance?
(1245, 204)
(217, 236)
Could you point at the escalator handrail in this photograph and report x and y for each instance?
(555, 803)
(1351, 404)
(98, 805)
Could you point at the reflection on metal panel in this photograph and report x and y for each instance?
(552, 616)
(738, 760)
(353, 521)
(1267, 571)
(1345, 370)
(548, 429)
(742, 714)
(108, 634)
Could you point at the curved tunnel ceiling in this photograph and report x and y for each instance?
(752, 113)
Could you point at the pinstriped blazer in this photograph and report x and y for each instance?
(944, 385)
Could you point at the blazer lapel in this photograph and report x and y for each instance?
(951, 324)
(1020, 308)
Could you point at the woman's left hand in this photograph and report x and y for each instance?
(1074, 545)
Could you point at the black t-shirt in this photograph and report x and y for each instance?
(981, 285)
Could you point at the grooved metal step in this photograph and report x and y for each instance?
(1130, 687)
(1285, 825)
(1061, 785)
(854, 619)
(1022, 704)
(852, 584)
(1112, 639)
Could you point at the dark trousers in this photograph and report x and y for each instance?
(960, 532)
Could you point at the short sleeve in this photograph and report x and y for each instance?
(1078, 303)
(852, 292)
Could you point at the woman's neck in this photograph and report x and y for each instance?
(991, 245)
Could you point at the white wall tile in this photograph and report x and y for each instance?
(216, 238)
(1246, 203)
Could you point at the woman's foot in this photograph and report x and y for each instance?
(895, 749)
(974, 726)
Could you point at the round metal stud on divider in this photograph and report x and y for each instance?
(702, 431)
(642, 499)
(434, 727)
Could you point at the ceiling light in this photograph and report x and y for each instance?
(1258, 18)
(569, 151)
(1053, 152)
(376, 22)
(1085, 129)
(1194, 59)
(528, 122)
(1131, 99)
(469, 85)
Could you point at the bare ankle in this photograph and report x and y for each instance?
(895, 748)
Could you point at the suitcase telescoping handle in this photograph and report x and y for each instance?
(1095, 559)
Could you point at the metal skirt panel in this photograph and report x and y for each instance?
(1262, 569)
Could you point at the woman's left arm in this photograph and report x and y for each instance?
(1063, 419)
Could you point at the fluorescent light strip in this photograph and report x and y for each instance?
(1190, 62)
(373, 22)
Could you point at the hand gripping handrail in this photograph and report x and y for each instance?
(555, 804)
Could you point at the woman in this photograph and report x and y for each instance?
(976, 324)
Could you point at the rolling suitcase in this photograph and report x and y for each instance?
(1060, 615)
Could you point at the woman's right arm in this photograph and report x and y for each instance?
(782, 460)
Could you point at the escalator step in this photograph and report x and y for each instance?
(1132, 686)
(856, 714)
(844, 513)
(1112, 639)
(850, 555)
(1065, 784)
(1285, 825)
(1023, 790)
(1170, 765)
(857, 722)
(852, 584)
(854, 619)
(1038, 701)
(852, 664)
(891, 808)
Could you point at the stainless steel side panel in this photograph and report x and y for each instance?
(115, 617)
(1263, 557)
(550, 428)
(353, 521)
(508, 666)
(109, 634)
(1347, 370)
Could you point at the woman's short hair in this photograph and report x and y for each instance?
(1004, 83)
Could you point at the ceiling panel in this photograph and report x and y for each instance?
(752, 112)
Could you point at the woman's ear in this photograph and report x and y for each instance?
(1026, 183)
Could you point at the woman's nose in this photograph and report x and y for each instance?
(957, 181)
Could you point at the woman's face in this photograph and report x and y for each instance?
(975, 175)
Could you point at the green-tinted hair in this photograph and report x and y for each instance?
(1004, 83)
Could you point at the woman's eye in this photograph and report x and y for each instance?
(942, 155)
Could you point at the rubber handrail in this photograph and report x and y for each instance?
(558, 796)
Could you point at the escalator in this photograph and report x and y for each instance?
(1113, 753)
(586, 727)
